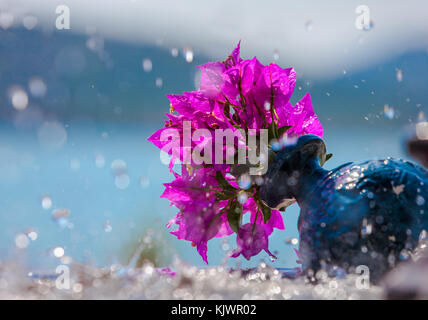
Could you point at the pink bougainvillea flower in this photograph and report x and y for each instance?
(251, 239)
(275, 220)
(300, 117)
(238, 95)
(165, 271)
(198, 220)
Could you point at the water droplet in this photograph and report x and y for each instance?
(58, 252)
(159, 82)
(46, 202)
(18, 98)
(107, 226)
(399, 75)
(95, 44)
(242, 197)
(32, 235)
(225, 247)
(273, 258)
(276, 55)
(147, 65)
(52, 135)
(60, 216)
(122, 181)
(64, 223)
(275, 144)
(420, 201)
(292, 241)
(77, 287)
(388, 111)
(188, 54)
(37, 87)
(404, 255)
(148, 269)
(422, 130)
(6, 19)
(21, 241)
(29, 22)
(244, 181)
(118, 167)
(174, 52)
(259, 181)
(267, 105)
(379, 219)
(100, 161)
(366, 229)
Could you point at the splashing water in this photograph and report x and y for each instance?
(147, 65)
(185, 282)
(188, 54)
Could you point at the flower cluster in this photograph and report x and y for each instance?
(236, 95)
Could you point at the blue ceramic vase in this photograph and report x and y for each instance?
(369, 214)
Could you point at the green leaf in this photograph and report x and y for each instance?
(282, 130)
(222, 196)
(266, 211)
(272, 134)
(276, 115)
(226, 110)
(223, 182)
(234, 215)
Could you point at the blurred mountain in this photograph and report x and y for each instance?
(89, 78)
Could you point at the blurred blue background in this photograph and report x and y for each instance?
(77, 106)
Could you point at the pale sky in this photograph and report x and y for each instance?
(318, 38)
